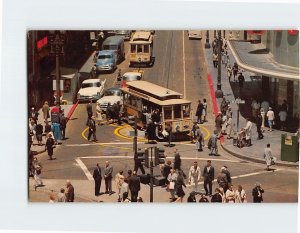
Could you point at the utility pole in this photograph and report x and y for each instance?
(151, 172)
(207, 44)
(135, 137)
(219, 92)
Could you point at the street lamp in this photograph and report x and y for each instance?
(207, 44)
(57, 41)
(219, 92)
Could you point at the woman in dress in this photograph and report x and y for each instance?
(268, 157)
(230, 194)
(240, 195)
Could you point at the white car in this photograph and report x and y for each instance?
(195, 34)
(111, 95)
(91, 89)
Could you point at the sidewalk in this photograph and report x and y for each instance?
(68, 111)
(255, 152)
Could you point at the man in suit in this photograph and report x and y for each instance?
(97, 177)
(257, 192)
(108, 177)
(208, 175)
(70, 192)
(63, 125)
(134, 186)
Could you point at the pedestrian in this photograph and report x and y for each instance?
(235, 69)
(89, 108)
(229, 128)
(213, 144)
(227, 173)
(119, 180)
(194, 176)
(97, 178)
(32, 129)
(49, 146)
(270, 117)
(70, 194)
(92, 128)
(134, 185)
(203, 198)
(169, 130)
(204, 112)
(217, 196)
(39, 133)
(219, 123)
(227, 60)
(99, 114)
(230, 194)
(47, 128)
(192, 197)
(282, 117)
(241, 80)
(52, 197)
(61, 197)
(179, 187)
(37, 173)
(222, 181)
(248, 131)
(200, 139)
(268, 156)
(209, 176)
(63, 125)
(108, 170)
(34, 115)
(257, 192)
(138, 164)
(224, 106)
(224, 125)
(199, 112)
(255, 105)
(258, 126)
(167, 169)
(46, 110)
(265, 105)
(194, 132)
(172, 179)
(240, 195)
(229, 72)
(56, 132)
(177, 163)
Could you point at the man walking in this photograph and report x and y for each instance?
(134, 186)
(258, 126)
(63, 125)
(241, 79)
(89, 109)
(97, 177)
(194, 176)
(248, 131)
(209, 176)
(70, 195)
(257, 192)
(271, 117)
(108, 177)
(199, 112)
(222, 180)
(45, 110)
(92, 128)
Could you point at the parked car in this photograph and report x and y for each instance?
(126, 34)
(195, 34)
(130, 76)
(106, 61)
(91, 89)
(111, 95)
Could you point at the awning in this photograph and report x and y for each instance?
(255, 58)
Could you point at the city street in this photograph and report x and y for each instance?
(180, 65)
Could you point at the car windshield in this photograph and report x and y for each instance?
(106, 56)
(112, 93)
(85, 85)
(131, 77)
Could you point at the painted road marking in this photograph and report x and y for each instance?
(241, 176)
(84, 169)
(183, 54)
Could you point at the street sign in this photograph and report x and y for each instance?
(57, 44)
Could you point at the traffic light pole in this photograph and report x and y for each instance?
(151, 173)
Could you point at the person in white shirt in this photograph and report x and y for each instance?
(240, 195)
(248, 132)
(282, 116)
(270, 117)
(230, 194)
(268, 157)
(194, 176)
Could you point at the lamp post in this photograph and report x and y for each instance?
(215, 34)
(57, 40)
(207, 44)
(219, 92)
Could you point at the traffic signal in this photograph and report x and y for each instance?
(159, 156)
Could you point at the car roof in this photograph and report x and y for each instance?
(92, 80)
(113, 40)
(132, 74)
(106, 52)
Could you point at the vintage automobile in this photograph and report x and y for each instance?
(106, 61)
(91, 89)
(195, 34)
(111, 95)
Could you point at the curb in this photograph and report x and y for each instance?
(71, 111)
(255, 159)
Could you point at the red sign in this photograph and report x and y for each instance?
(41, 43)
(293, 32)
